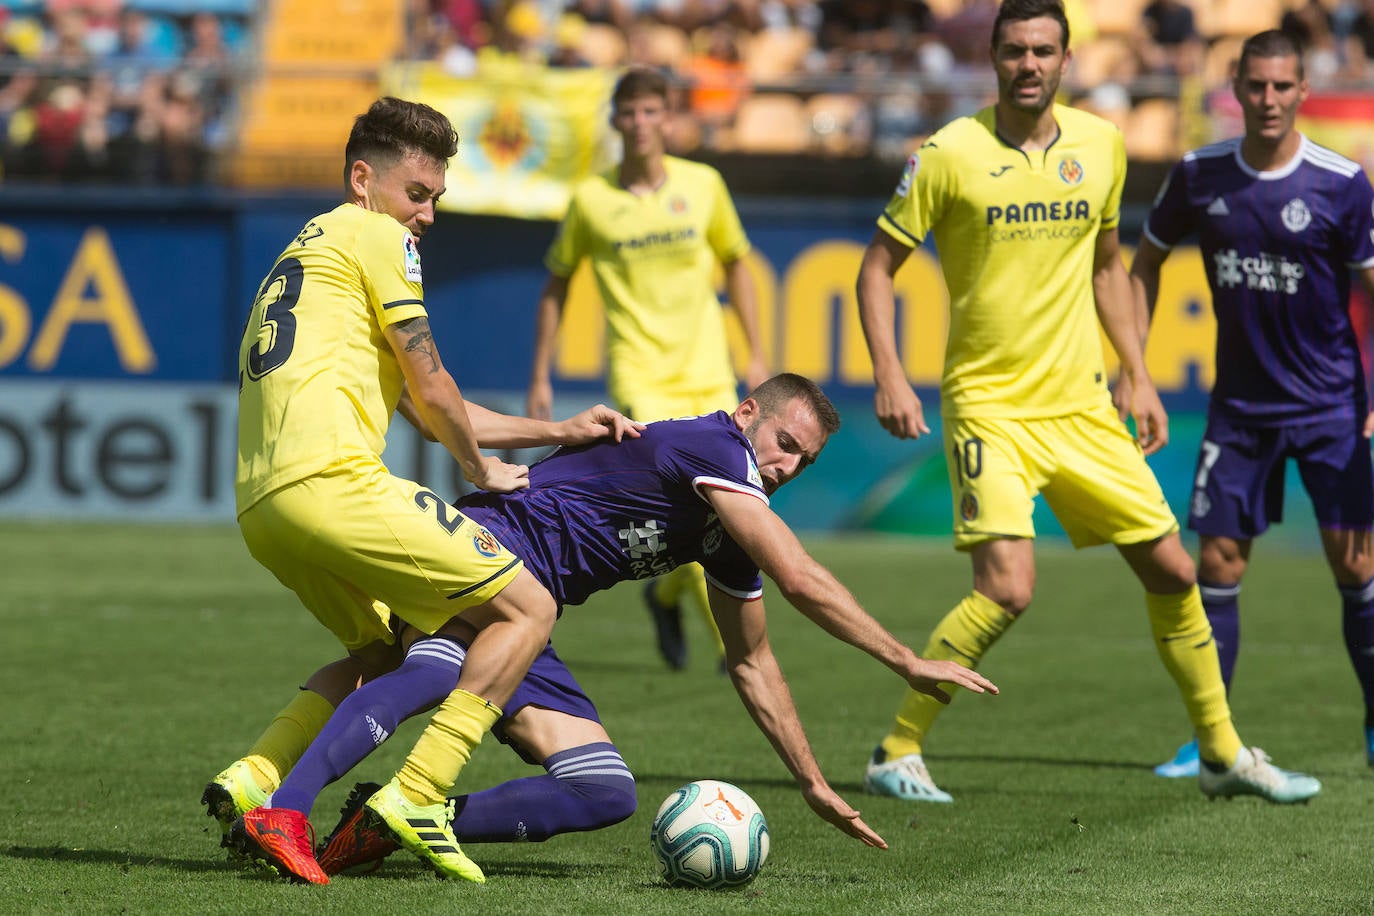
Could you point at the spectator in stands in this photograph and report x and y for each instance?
(1359, 43)
(875, 34)
(1312, 26)
(718, 81)
(57, 119)
(1167, 41)
(65, 53)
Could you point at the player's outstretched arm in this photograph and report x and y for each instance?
(1367, 281)
(814, 591)
(500, 430)
(898, 408)
(439, 405)
(758, 679)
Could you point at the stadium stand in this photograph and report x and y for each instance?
(255, 93)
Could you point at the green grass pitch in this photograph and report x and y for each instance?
(137, 661)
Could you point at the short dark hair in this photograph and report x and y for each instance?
(1270, 43)
(1021, 10)
(637, 82)
(779, 391)
(393, 128)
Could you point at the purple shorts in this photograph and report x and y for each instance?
(550, 685)
(1238, 487)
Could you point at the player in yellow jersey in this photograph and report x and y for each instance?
(336, 342)
(653, 228)
(1023, 202)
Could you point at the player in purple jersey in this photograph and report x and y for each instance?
(1281, 223)
(692, 490)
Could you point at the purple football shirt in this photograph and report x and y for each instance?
(1278, 248)
(598, 514)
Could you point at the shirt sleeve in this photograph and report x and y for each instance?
(921, 197)
(1358, 222)
(725, 233)
(1171, 218)
(728, 567)
(389, 259)
(569, 245)
(1111, 210)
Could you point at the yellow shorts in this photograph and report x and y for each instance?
(648, 406)
(1091, 472)
(357, 544)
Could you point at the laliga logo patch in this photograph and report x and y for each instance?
(1070, 171)
(1296, 216)
(968, 507)
(913, 165)
(753, 475)
(486, 543)
(411, 255)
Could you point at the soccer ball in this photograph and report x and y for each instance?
(709, 834)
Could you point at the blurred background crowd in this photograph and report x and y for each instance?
(152, 91)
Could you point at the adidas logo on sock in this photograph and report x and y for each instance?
(1218, 208)
(379, 734)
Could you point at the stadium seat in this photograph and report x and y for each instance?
(602, 45)
(1104, 59)
(660, 45)
(775, 55)
(771, 122)
(1116, 17)
(372, 31)
(1151, 131)
(1222, 55)
(839, 123)
(1238, 18)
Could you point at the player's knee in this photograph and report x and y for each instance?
(1012, 595)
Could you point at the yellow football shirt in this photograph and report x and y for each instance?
(654, 262)
(1015, 232)
(318, 381)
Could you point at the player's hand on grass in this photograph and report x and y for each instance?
(899, 410)
(539, 401)
(828, 804)
(599, 422)
(499, 477)
(930, 674)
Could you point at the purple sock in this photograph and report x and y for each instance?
(368, 717)
(1357, 619)
(1221, 603)
(586, 788)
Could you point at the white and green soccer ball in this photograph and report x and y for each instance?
(709, 834)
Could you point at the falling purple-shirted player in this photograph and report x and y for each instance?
(1281, 222)
(690, 490)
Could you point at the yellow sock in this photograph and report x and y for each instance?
(693, 579)
(964, 635)
(445, 745)
(278, 748)
(1183, 638)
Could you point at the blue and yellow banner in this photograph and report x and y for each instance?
(527, 133)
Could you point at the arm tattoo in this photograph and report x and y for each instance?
(420, 340)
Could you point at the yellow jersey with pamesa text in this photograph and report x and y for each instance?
(1015, 232)
(654, 259)
(318, 381)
